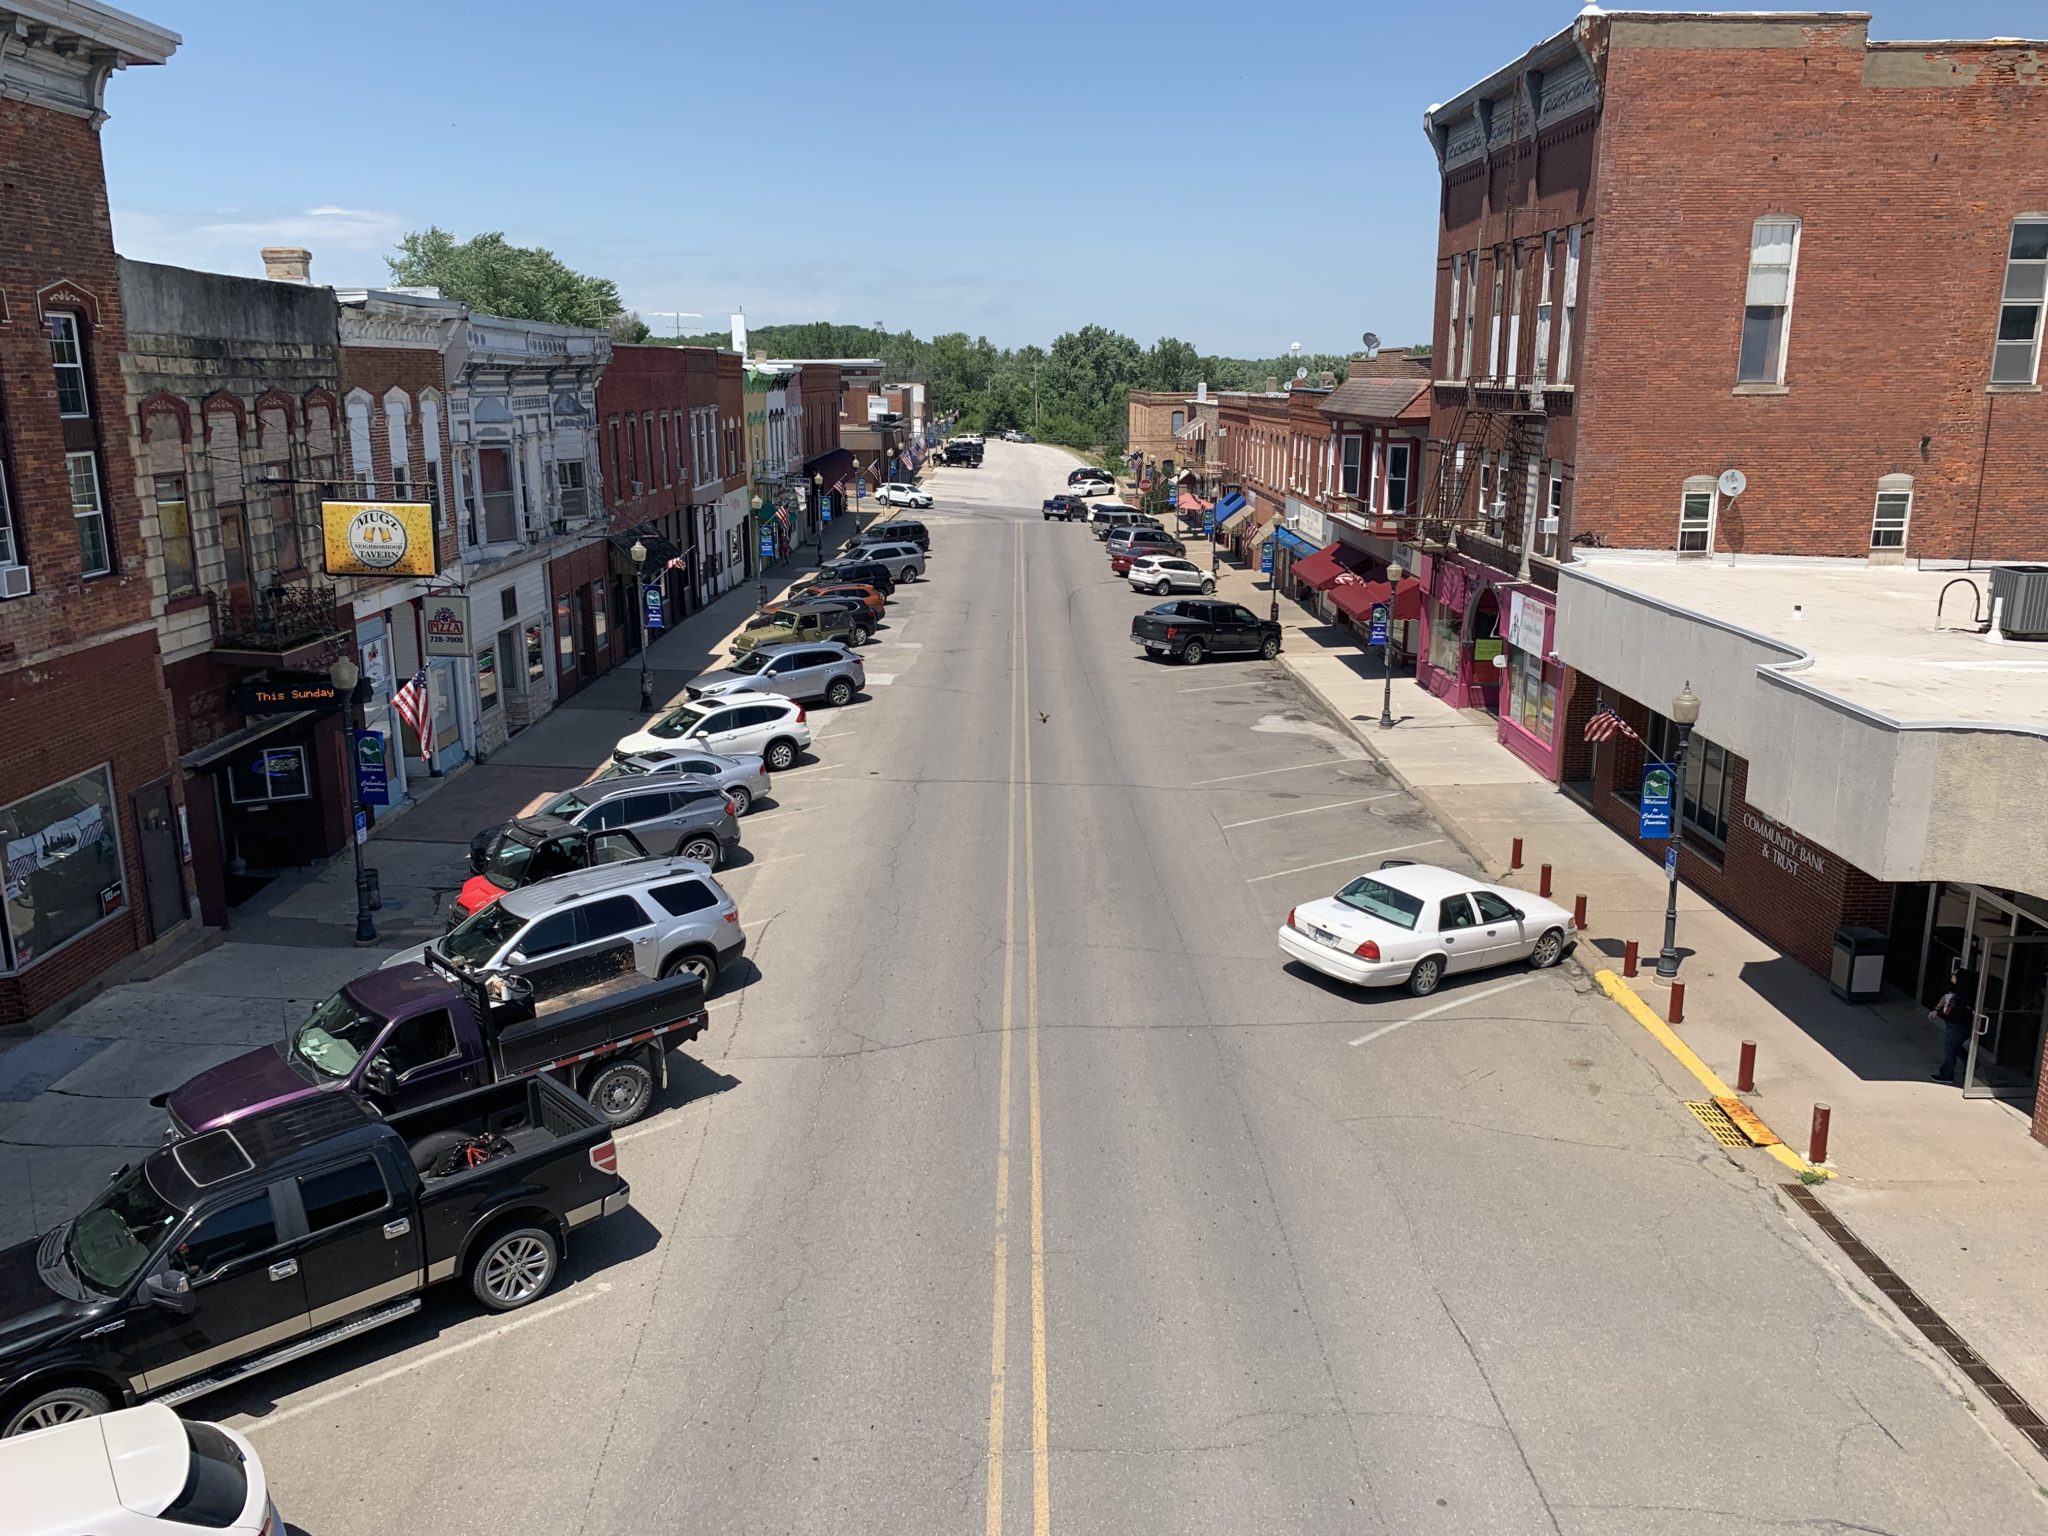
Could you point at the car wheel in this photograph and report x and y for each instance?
(703, 849)
(1193, 652)
(742, 799)
(1424, 978)
(693, 962)
(780, 756)
(840, 693)
(59, 1405)
(1548, 951)
(860, 636)
(1208, 586)
(620, 1091)
(913, 573)
(1163, 588)
(1269, 647)
(513, 1268)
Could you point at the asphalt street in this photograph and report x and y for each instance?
(1020, 1187)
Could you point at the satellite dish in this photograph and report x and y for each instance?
(1733, 483)
(1301, 373)
(1371, 341)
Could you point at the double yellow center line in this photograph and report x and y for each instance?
(1019, 789)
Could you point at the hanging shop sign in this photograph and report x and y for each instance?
(1654, 810)
(446, 622)
(378, 538)
(1526, 623)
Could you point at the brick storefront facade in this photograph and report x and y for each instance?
(90, 855)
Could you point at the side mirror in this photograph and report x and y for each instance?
(1519, 913)
(169, 1289)
(517, 957)
(380, 1076)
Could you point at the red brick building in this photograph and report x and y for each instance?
(1738, 338)
(95, 866)
(644, 448)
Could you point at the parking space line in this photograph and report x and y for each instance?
(1310, 810)
(1250, 682)
(1456, 1002)
(761, 816)
(780, 858)
(880, 679)
(1260, 773)
(1352, 858)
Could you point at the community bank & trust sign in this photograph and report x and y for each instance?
(1782, 848)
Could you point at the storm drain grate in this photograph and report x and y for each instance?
(1716, 1120)
(1925, 1318)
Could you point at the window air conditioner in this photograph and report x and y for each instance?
(13, 581)
(1549, 526)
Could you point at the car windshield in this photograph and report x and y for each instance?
(747, 666)
(334, 1037)
(680, 723)
(506, 867)
(621, 770)
(481, 935)
(566, 804)
(1377, 899)
(112, 1238)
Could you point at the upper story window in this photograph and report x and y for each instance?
(1570, 300)
(1894, 509)
(1347, 481)
(1696, 516)
(89, 513)
(1767, 305)
(1180, 422)
(10, 551)
(1397, 477)
(67, 358)
(2016, 356)
(1452, 331)
(1539, 364)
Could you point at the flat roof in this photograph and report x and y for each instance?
(1867, 631)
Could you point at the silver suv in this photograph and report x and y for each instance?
(829, 672)
(905, 561)
(678, 811)
(659, 917)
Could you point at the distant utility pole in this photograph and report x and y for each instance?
(1035, 427)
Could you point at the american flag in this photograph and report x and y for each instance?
(415, 709)
(782, 515)
(1605, 723)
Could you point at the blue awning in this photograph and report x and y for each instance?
(1229, 510)
(1294, 543)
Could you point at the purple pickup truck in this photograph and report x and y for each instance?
(409, 1035)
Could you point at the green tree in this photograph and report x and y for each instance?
(493, 276)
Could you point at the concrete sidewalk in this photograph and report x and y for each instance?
(1951, 1192)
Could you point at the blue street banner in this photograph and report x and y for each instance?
(373, 777)
(1379, 624)
(767, 544)
(1266, 558)
(651, 596)
(1654, 809)
(1212, 525)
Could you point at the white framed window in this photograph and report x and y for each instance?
(1398, 460)
(89, 512)
(1512, 362)
(1457, 293)
(361, 466)
(1767, 303)
(10, 551)
(1553, 514)
(1471, 310)
(1568, 327)
(1493, 326)
(1894, 510)
(571, 490)
(67, 360)
(1696, 508)
(1539, 365)
(2016, 355)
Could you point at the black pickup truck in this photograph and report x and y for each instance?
(1064, 508)
(1190, 628)
(232, 1252)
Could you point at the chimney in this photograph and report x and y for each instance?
(739, 333)
(1201, 392)
(287, 264)
(1272, 385)
(1329, 379)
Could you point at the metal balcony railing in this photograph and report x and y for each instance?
(281, 619)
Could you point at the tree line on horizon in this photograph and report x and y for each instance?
(1073, 392)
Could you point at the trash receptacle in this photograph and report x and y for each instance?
(1856, 974)
(373, 888)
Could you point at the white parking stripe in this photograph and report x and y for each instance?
(1260, 773)
(1335, 805)
(1250, 682)
(880, 679)
(1354, 858)
(1456, 1002)
(760, 816)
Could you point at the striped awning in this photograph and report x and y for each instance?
(1194, 432)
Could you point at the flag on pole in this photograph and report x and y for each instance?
(1605, 723)
(416, 710)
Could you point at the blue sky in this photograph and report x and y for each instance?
(1240, 177)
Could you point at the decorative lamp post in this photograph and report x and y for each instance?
(352, 688)
(760, 569)
(638, 555)
(1394, 575)
(1685, 711)
(818, 514)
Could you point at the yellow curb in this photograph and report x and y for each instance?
(1642, 1013)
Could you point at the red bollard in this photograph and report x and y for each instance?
(1745, 1072)
(1579, 911)
(1676, 1014)
(1515, 858)
(1543, 881)
(1628, 959)
(1817, 1140)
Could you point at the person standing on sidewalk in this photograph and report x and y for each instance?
(1953, 1012)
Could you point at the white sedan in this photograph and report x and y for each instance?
(133, 1472)
(899, 494)
(1414, 924)
(1168, 573)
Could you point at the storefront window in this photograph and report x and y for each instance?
(268, 773)
(1532, 700)
(1704, 802)
(536, 653)
(597, 615)
(1446, 630)
(565, 634)
(487, 677)
(63, 866)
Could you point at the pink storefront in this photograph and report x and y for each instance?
(1461, 631)
(1532, 682)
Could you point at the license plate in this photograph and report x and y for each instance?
(1325, 938)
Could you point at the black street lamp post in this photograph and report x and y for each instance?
(1685, 710)
(818, 515)
(1394, 575)
(638, 555)
(352, 689)
(760, 564)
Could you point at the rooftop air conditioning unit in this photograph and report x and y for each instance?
(13, 581)
(2019, 596)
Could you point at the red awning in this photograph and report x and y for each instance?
(1322, 569)
(1356, 598)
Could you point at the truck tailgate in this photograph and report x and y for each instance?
(575, 1029)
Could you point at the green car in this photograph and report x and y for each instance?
(798, 624)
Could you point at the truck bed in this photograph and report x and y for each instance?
(604, 1013)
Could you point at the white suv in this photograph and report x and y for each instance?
(735, 724)
(898, 494)
(1168, 573)
(905, 561)
(134, 1472)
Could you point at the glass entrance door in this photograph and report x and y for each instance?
(2011, 1010)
